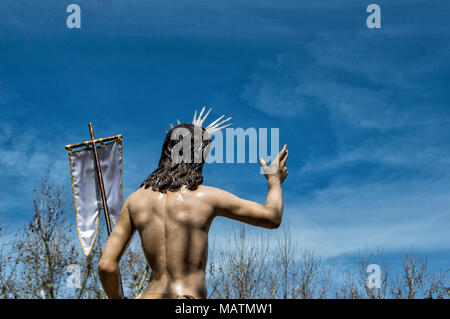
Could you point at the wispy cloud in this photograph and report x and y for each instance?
(362, 80)
(26, 154)
(347, 216)
(383, 183)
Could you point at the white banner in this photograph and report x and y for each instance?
(86, 190)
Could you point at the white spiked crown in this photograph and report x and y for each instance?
(212, 127)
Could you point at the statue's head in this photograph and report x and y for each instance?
(183, 155)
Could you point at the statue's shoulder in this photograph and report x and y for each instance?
(205, 189)
(209, 191)
(139, 197)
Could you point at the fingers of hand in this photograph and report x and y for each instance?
(283, 161)
(285, 173)
(262, 162)
(281, 154)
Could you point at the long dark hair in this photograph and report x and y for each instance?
(172, 175)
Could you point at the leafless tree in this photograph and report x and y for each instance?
(314, 278)
(439, 287)
(283, 274)
(349, 287)
(296, 273)
(43, 249)
(241, 268)
(248, 270)
(90, 287)
(4, 260)
(417, 281)
(376, 258)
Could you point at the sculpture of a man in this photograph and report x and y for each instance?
(172, 211)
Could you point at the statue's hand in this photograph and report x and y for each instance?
(277, 170)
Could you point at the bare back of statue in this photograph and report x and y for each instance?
(173, 228)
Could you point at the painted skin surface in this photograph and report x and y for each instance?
(174, 227)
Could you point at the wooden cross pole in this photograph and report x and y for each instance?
(98, 169)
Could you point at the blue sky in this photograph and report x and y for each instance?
(365, 113)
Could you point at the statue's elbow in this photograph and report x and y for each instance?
(106, 267)
(274, 224)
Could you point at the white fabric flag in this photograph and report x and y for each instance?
(86, 190)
